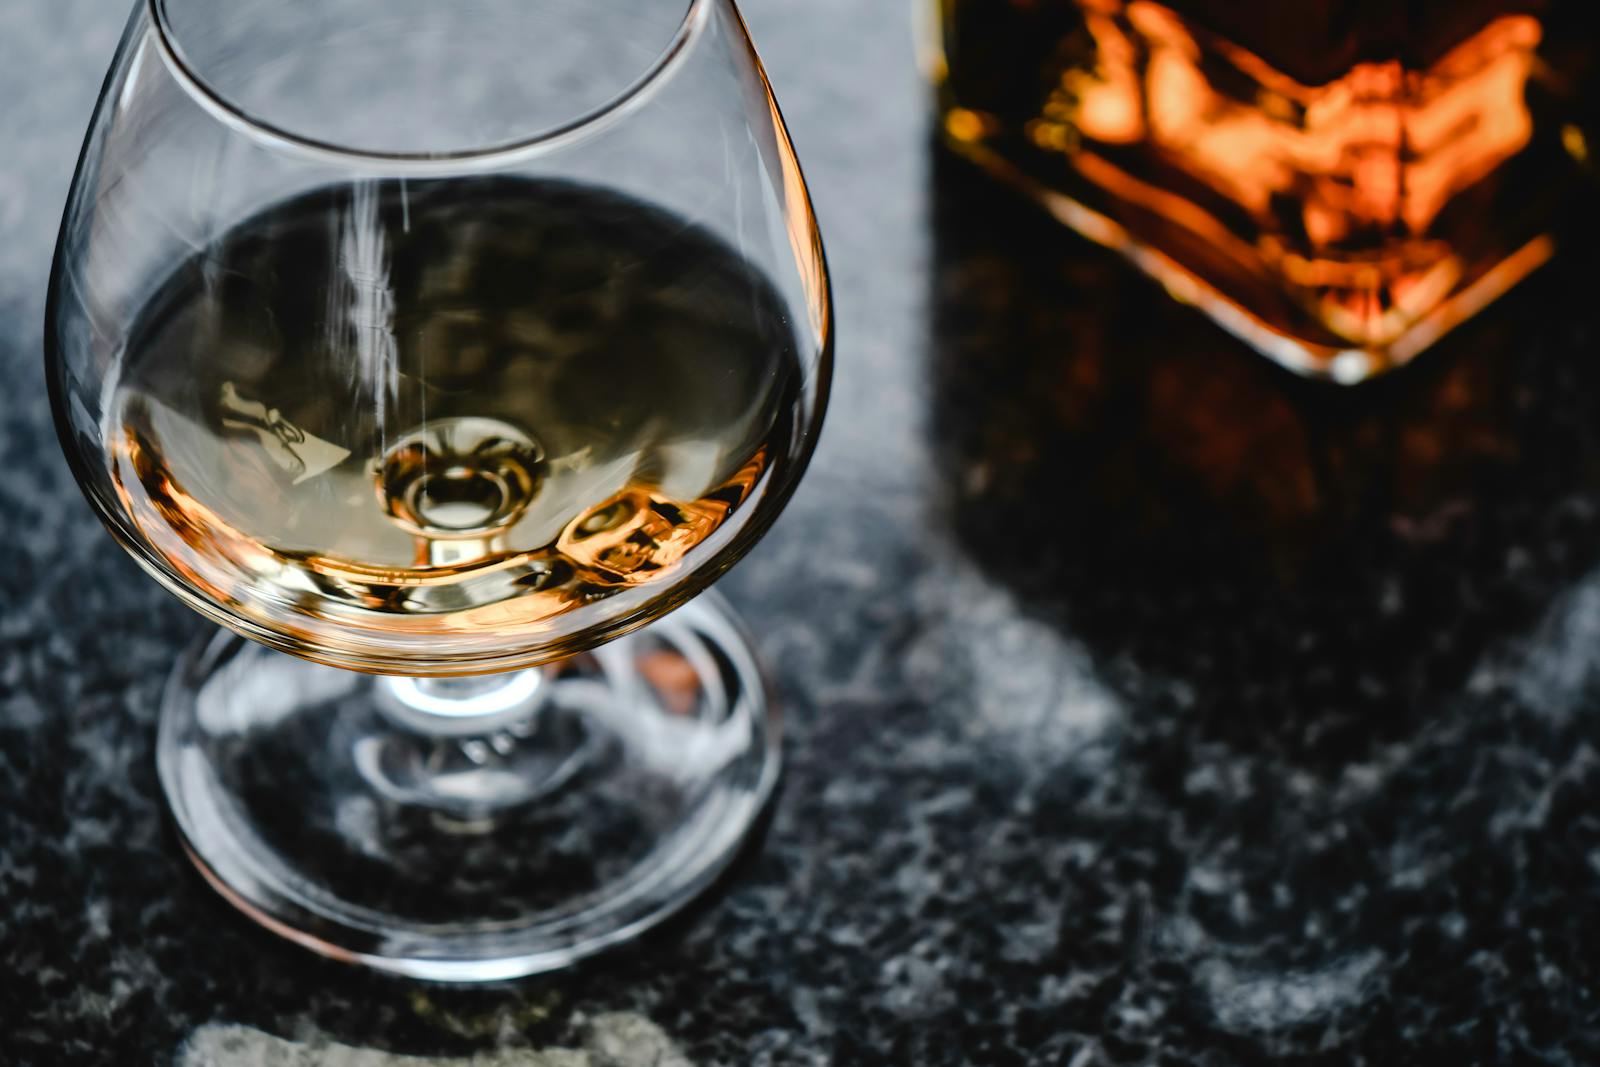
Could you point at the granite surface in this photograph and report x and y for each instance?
(1145, 706)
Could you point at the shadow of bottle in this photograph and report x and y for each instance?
(1296, 566)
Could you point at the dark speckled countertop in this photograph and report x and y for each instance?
(1145, 706)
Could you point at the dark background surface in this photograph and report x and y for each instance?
(1145, 706)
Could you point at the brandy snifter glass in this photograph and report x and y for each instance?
(444, 347)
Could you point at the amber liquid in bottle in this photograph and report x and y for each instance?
(1339, 182)
(454, 409)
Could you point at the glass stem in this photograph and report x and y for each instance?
(460, 708)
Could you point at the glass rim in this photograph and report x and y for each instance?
(224, 109)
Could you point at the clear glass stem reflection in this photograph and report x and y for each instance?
(466, 747)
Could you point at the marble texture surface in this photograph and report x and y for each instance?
(1144, 706)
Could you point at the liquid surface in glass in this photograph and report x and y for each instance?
(448, 408)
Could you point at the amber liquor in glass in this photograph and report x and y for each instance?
(1338, 182)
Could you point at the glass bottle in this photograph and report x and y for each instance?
(1338, 182)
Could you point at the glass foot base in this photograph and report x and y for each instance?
(471, 829)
